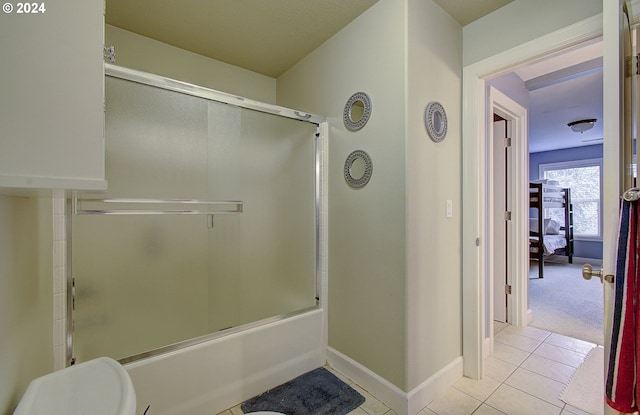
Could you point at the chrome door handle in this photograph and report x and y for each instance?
(588, 272)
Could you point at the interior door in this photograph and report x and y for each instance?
(500, 246)
(613, 183)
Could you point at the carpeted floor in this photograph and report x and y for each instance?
(564, 303)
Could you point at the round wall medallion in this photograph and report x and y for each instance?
(435, 119)
(358, 169)
(357, 111)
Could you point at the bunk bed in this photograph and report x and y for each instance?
(549, 235)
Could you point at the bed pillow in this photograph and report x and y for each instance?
(551, 227)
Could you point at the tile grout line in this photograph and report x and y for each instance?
(519, 366)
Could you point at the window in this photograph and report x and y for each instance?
(584, 178)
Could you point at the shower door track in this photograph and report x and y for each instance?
(73, 203)
(206, 93)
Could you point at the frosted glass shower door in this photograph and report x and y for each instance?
(269, 163)
(147, 281)
(142, 280)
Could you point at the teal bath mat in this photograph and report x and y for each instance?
(318, 392)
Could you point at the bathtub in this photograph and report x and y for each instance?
(210, 377)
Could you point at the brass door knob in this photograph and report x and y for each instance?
(588, 272)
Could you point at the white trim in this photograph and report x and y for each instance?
(613, 114)
(573, 164)
(392, 396)
(474, 168)
(323, 229)
(19, 185)
(401, 402)
(488, 344)
(518, 271)
(424, 393)
(582, 260)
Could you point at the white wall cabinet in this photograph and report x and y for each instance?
(52, 95)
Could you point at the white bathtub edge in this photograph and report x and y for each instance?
(213, 376)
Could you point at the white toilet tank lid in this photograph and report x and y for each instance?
(99, 387)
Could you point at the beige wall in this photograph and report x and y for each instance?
(394, 301)
(394, 258)
(26, 292)
(367, 239)
(521, 21)
(433, 176)
(148, 55)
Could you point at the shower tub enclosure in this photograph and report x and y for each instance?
(207, 239)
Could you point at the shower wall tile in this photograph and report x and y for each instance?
(59, 285)
(323, 224)
(59, 253)
(58, 202)
(58, 333)
(58, 307)
(58, 357)
(59, 279)
(59, 231)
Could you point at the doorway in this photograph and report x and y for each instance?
(507, 208)
(557, 91)
(476, 247)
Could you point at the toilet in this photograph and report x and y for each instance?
(99, 387)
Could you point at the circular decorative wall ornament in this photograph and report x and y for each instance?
(357, 111)
(358, 169)
(435, 120)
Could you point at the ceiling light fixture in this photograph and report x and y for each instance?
(581, 126)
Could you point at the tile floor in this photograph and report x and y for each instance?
(525, 375)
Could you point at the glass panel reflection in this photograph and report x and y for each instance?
(147, 281)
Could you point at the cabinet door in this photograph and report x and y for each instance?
(52, 94)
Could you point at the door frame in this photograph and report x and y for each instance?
(518, 267)
(474, 176)
(499, 188)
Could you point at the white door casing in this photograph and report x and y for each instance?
(613, 78)
(516, 230)
(607, 25)
(475, 250)
(498, 242)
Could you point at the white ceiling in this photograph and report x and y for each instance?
(270, 36)
(467, 11)
(564, 88)
(264, 36)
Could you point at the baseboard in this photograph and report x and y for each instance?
(401, 402)
(392, 396)
(592, 261)
(487, 349)
(427, 391)
(561, 259)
